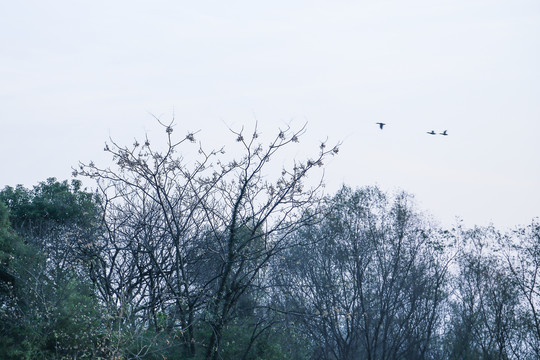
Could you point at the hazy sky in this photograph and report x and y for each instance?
(73, 73)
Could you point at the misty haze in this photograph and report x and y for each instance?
(300, 180)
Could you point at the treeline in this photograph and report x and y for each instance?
(211, 259)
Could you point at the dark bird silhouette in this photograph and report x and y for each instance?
(432, 132)
(381, 125)
(444, 133)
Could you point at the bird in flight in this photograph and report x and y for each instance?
(432, 132)
(444, 133)
(381, 124)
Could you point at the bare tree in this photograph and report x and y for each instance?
(522, 257)
(369, 282)
(485, 303)
(188, 238)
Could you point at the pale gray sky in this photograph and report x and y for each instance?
(74, 72)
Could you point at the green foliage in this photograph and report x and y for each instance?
(373, 272)
(48, 309)
(244, 340)
(61, 203)
(60, 321)
(14, 254)
(11, 248)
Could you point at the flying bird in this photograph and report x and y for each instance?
(444, 133)
(432, 132)
(381, 124)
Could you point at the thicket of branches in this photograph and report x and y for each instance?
(210, 257)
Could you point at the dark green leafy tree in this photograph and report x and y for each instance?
(53, 310)
(58, 218)
(14, 255)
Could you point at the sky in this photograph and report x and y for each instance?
(75, 73)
